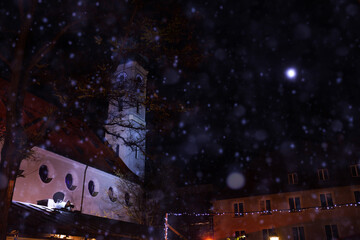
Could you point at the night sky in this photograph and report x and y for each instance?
(278, 81)
(245, 108)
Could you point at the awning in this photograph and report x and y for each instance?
(31, 220)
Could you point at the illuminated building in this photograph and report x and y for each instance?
(328, 208)
(74, 164)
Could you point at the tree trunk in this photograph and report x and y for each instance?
(10, 162)
(6, 193)
(14, 147)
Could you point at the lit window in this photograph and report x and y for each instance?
(323, 174)
(265, 206)
(331, 232)
(326, 201)
(240, 234)
(69, 182)
(299, 233)
(91, 187)
(44, 174)
(294, 204)
(267, 233)
(357, 196)
(355, 170)
(238, 209)
(111, 194)
(293, 178)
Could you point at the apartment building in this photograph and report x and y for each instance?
(328, 208)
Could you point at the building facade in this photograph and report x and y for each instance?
(90, 190)
(327, 212)
(76, 165)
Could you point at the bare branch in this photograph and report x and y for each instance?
(47, 47)
(138, 207)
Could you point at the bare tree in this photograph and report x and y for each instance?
(56, 45)
(136, 202)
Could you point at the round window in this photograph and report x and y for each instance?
(127, 199)
(111, 194)
(91, 187)
(44, 174)
(70, 182)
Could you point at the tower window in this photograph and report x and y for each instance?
(120, 104)
(137, 107)
(121, 77)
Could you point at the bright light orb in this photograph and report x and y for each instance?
(291, 73)
(235, 180)
(274, 238)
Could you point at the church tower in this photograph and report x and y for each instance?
(126, 123)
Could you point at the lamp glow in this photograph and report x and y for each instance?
(274, 238)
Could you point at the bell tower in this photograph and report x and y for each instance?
(126, 123)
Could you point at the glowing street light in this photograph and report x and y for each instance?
(274, 238)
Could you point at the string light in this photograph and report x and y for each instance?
(264, 212)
